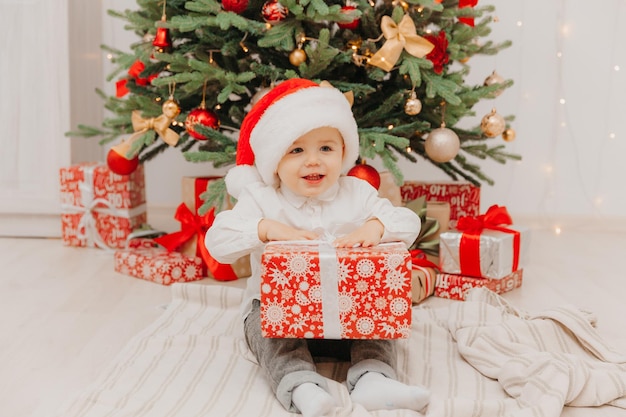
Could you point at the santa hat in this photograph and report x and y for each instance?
(288, 111)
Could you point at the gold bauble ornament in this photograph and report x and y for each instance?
(509, 135)
(442, 144)
(413, 106)
(170, 108)
(493, 124)
(297, 57)
(494, 78)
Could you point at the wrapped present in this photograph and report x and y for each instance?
(190, 239)
(100, 208)
(145, 259)
(464, 197)
(486, 246)
(435, 219)
(423, 276)
(313, 290)
(456, 287)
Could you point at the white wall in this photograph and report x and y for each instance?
(572, 153)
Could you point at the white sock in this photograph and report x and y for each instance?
(312, 400)
(374, 391)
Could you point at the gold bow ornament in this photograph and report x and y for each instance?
(161, 125)
(399, 37)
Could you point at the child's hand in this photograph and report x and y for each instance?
(369, 234)
(273, 230)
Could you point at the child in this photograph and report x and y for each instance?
(294, 145)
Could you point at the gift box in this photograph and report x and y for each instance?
(435, 219)
(423, 276)
(464, 197)
(313, 290)
(190, 239)
(486, 246)
(98, 207)
(192, 189)
(145, 259)
(455, 287)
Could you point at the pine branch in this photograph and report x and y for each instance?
(214, 197)
(320, 56)
(218, 159)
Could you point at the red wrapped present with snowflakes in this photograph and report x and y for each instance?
(145, 259)
(98, 207)
(311, 289)
(463, 197)
(455, 287)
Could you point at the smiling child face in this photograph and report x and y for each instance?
(312, 163)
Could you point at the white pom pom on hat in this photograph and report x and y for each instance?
(288, 111)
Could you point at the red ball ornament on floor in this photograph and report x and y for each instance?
(118, 163)
(201, 116)
(367, 173)
(349, 25)
(236, 6)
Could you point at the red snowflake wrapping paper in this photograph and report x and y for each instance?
(146, 260)
(455, 287)
(464, 197)
(100, 208)
(315, 291)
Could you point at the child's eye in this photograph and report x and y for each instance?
(326, 148)
(296, 150)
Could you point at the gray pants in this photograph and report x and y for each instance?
(289, 362)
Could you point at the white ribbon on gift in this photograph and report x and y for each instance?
(329, 278)
(87, 226)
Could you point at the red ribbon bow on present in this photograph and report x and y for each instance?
(193, 225)
(469, 249)
(418, 258)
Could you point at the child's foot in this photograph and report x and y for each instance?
(312, 400)
(374, 391)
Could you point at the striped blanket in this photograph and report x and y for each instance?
(480, 358)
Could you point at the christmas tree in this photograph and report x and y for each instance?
(198, 66)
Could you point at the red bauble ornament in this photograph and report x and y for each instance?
(349, 25)
(273, 12)
(236, 6)
(367, 173)
(117, 161)
(201, 116)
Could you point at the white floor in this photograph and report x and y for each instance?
(66, 313)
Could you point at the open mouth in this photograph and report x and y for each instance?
(313, 177)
